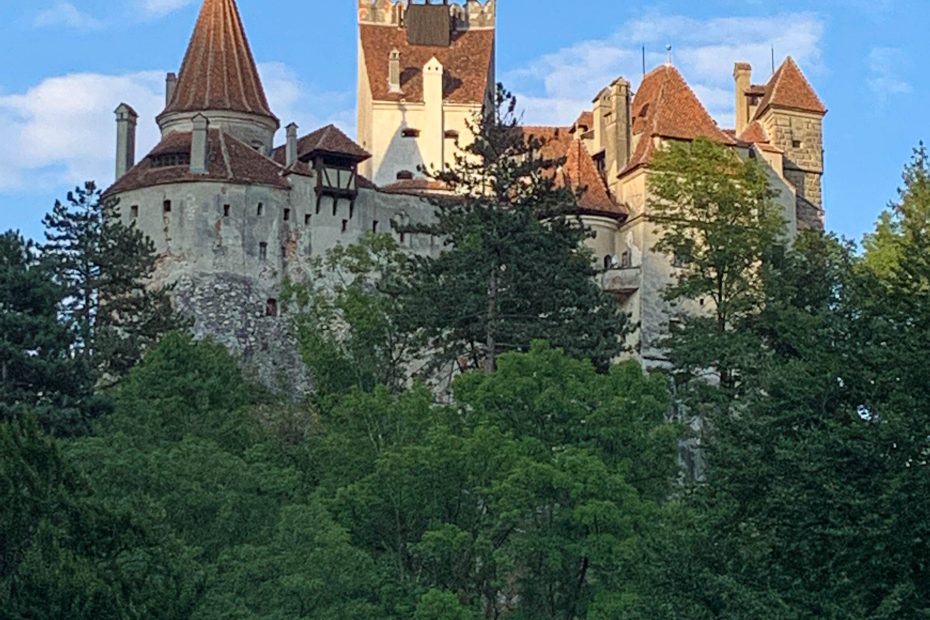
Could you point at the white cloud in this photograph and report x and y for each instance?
(66, 15)
(556, 87)
(62, 131)
(886, 65)
(157, 8)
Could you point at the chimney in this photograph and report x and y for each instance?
(171, 83)
(291, 149)
(434, 131)
(742, 75)
(394, 71)
(601, 115)
(199, 145)
(126, 119)
(622, 127)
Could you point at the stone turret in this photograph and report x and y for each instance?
(220, 80)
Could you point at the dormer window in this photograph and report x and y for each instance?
(167, 160)
(409, 132)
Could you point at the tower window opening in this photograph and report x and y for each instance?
(263, 250)
(796, 144)
(166, 206)
(307, 219)
(287, 215)
(134, 212)
(283, 252)
(261, 209)
(374, 227)
(226, 210)
(404, 175)
(345, 225)
(410, 132)
(451, 134)
(403, 237)
(271, 307)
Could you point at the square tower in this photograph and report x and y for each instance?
(425, 73)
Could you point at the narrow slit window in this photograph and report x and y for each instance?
(374, 227)
(307, 219)
(271, 307)
(166, 206)
(226, 210)
(345, 225)
(410, 132)
(287, 215)
(283, 252)
(261, 210)
(263, 250)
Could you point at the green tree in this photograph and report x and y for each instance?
(514, 267)
(352, 326)
(104, 268)
(67, 553)
(718, 223)
(36, 367)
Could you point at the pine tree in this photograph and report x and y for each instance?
(514, 268)
(36, 367)
(103, 268)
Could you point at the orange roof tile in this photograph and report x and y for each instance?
(219, 72)
(788, 88)
(555, 140)
(755, 134)
(328, 139)
(585, 120)
(229, 160)
(580, 173)
(666, 107)
(467, 63)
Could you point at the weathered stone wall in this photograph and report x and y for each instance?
(800, 136)
(227, 249)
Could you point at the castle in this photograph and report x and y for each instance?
(233, 216)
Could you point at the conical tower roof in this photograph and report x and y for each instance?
(219, 72)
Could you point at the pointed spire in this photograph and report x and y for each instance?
(219, 72)
(788, 88)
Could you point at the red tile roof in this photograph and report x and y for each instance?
(330, 139)
(219, 72)
(585, 120)
(666, 107)
(755, 134)
(467, 64)
(580, 173)
(228, 160)
(788, 88)
(555, 140)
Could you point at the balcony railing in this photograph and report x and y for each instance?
(621, 281)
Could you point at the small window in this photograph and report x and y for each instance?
(403, 237)
(409, 132)
(404, 175)
(283, 252)
(166, 206)
(261, 210)
(608, 262)
(134, 212)
(263, 250)
(451, 134)
(374, 227)
(271, 307)
(226, 210)
(796, 144)
(307, 219)
(287, 215)
(345, 225)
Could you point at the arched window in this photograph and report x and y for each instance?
(608, 262)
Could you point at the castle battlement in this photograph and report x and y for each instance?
(467, 15)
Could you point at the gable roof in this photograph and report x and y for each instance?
(666, 107)
(788, 88)
(580, 173)
(229, 160)
(466, 62)
(328, 139)
(219, 72)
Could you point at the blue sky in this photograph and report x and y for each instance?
(69, 64)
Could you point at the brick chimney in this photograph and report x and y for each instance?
(126, 120)
(199, 144)
(291, 149)
(394, 71)
(742, 75)
(171, 83)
